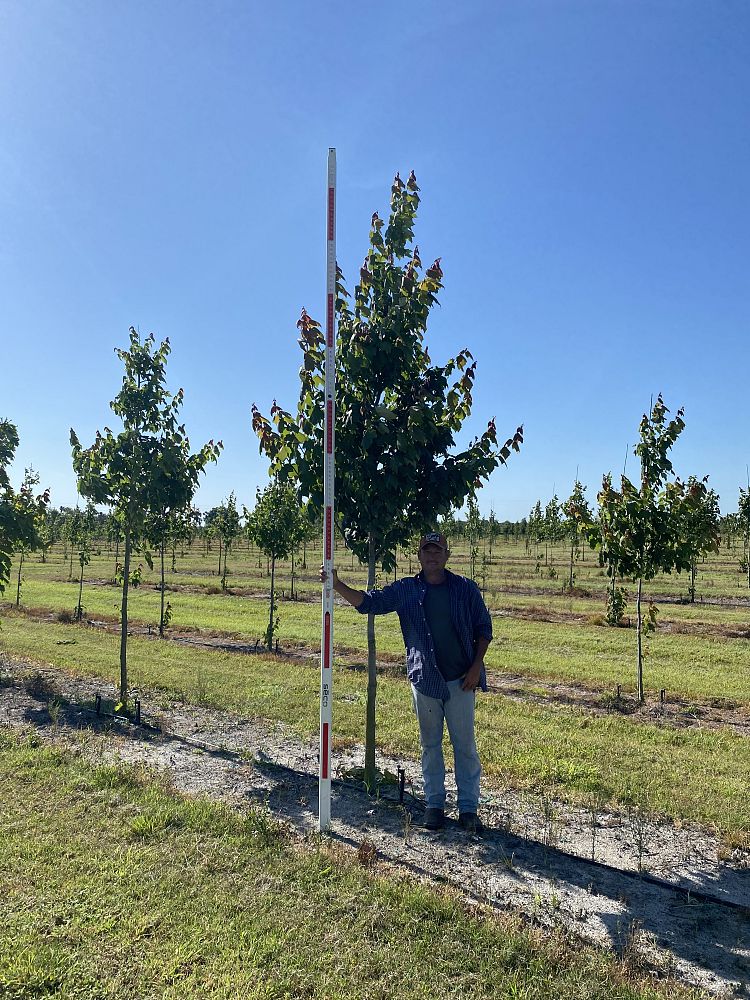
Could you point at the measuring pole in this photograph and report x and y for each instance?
(326, 640)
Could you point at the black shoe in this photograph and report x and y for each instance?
(470, 822)
(434, 818)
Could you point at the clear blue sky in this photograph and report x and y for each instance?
(585, 176)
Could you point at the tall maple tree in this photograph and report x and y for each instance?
(397, 413)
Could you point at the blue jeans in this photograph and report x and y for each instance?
(458, 712)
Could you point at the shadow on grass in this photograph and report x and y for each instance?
(502, 869)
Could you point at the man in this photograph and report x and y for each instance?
(446, 628)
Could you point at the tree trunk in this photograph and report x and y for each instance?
(269, 637)
(372, 677)
(18, 587)
(161, 603)
(224, 574)
(124, 621)
(220, 547)
(174, 556)
(639, 623)
(117, 553)
(692, 582)
(79, 609)
(571, 565)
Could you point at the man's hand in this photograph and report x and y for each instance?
(324, 576)
(354, 597)
(471, 680)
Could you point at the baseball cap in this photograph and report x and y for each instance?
(433, 538)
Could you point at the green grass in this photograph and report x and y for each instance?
(111, 887)
(687, 665)
(690, 666)
(562, 751)
(243, 617)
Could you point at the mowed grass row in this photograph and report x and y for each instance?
(508, 566)
(693, 667)
(307, 586)
(687, 774)
(112, 887)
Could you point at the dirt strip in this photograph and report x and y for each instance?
(534, 858)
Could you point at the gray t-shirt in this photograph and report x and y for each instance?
(450, 655)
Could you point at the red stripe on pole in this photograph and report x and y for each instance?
(329, 533)
(327, 641)
(324, 753)
(329, 321)
(331, 213)
(329, 426)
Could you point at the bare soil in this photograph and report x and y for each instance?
(665, 897)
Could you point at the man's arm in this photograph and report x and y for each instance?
(473, 674)
(376, 602)
(354, 597)
(482, 637)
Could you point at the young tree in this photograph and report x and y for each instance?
(311, 532)
(45, 534)
(473, 532)
(174, 481)
(397, 413)
(210, 530)
(226, 526)
(552, 528)
(21, 512)
(700, 526)
(578, 514)
(743, 520)
(82, 528)
(275, 525)
(123, 470)
(535, 531)
(641, 530)
(494, 529)
(8, 522)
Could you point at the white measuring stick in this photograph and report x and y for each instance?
(326, 639)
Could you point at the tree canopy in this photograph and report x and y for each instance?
(397, 413)
(22, 511)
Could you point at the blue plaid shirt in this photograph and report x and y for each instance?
(469, 614)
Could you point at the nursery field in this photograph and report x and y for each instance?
(560, 715)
